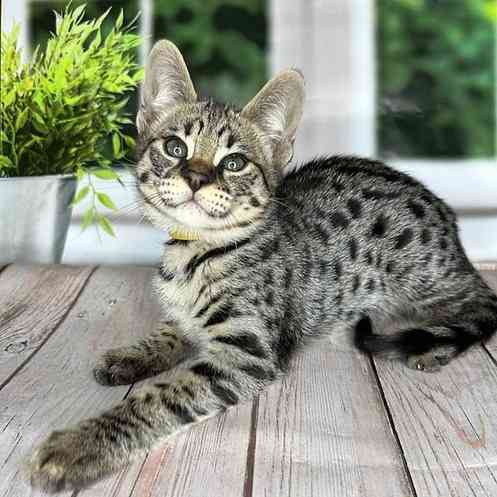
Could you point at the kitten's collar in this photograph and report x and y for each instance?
(183, 235)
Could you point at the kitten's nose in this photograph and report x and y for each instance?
(197, 173)
(195, 180)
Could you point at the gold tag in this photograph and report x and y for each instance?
(179, 234)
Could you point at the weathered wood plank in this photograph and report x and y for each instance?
(490, 276)
(56, 388)
(324, 432)
(208, 460)
(447, 424)
(33, 301)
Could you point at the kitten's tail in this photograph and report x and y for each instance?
(403, 342)
(417, 341)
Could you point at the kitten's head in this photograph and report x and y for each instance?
(207, 168)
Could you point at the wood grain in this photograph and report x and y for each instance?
(447, 424)
(56, 388)
(324, 432)
(491, 278)
(33, 301)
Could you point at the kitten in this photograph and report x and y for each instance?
(260, 262)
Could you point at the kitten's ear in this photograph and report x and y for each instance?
(167, 82)
(277, 110)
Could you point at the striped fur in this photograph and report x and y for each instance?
(340, 244)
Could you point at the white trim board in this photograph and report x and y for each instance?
(466, 185)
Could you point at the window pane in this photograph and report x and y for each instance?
(224, 43)
(437, 79)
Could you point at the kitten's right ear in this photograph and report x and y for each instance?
(277, 110)
(167, 82)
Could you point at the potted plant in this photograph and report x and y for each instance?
(62, 115)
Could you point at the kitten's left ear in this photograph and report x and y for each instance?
(277, 110)
(167, 82)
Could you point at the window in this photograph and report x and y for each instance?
(436, 79)
(409, 81)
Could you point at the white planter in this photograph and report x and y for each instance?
(34, 217)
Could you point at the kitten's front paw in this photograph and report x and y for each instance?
(118, 367)
(64, 461)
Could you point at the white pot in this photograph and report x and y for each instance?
(34, 217)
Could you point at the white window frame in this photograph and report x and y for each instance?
(333, 42)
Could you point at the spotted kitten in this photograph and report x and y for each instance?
(260, 262)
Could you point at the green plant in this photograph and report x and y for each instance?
(59, 110)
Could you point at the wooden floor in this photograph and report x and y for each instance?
(340, 425)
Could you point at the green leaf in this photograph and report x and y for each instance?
(119, 21)
(78, 11)
(83, 192)
(138, 76)
(22, 118)
(107, 174)
(105, 200)
(116, 145)
(5, 161)
(106, 225)
(129, 141)
(80, 174)
(88, 218)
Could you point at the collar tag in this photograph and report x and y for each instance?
(179, 234)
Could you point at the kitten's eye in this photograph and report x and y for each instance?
(176, 147)
(233, 162)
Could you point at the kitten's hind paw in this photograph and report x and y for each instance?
(431, 361)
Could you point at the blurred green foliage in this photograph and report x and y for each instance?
(224, 43)
(437, 79)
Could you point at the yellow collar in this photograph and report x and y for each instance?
(180, 234)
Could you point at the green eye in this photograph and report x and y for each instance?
(234, 162)
(176, 147)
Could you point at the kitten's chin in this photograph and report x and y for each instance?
(187, 215)
(190, 217)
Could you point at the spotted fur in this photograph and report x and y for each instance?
(339, 244)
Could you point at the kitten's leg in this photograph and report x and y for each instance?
(158, 352)
(232, 369)
(472, 320)
(431, 345)
(437, 350)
